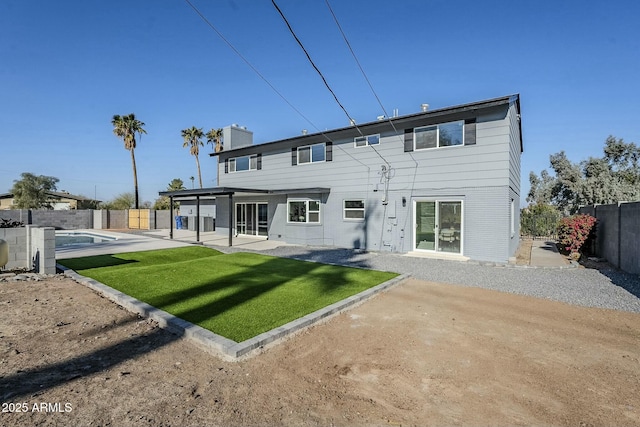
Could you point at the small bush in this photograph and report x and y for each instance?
(7, 223)
(573, 231)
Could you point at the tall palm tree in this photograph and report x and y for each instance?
(193, 138)
(126, 127)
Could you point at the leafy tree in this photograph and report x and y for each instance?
(120, 202)
(126, 127)
(539, 220)
(614, 177)
(31, 192)
(193, 139)
(163, 202)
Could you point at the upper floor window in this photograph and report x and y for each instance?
(442, 135)
(363, 141)
(312, 153)
(243, 163)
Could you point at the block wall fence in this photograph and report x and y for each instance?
(618, 234)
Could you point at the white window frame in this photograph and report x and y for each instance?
(345, 209)
(232, 163)
(308, 211)
(437, 126)
(310, 147)
(358, 141)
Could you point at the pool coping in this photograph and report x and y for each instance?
(216, 344)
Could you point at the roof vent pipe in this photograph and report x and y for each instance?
(424, 107)
(304, 131)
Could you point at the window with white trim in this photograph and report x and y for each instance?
(353, 209)
(312, 153)
(437, 136)
(303, 211)
(363, 141)
(244, 163)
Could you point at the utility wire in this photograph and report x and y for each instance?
(255, 70)
(351, 120)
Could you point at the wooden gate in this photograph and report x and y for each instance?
(139, 219)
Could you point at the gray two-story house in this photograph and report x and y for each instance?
(442, 183)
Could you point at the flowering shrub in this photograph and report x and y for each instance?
(573, 231)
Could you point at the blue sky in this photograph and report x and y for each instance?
(66, 67)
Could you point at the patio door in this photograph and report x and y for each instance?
(438, 226)
(252, 219)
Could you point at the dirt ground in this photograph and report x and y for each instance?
(420, 354)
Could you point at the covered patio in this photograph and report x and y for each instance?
(216, 193)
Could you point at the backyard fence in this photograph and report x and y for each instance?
(617, 234)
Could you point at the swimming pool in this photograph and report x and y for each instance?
(73, 238)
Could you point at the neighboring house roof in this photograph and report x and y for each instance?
(457, 112)
(54, 195)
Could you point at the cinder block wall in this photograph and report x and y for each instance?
(17, 241)
(618, 234)
(43, 249)
(65, 219)
(630, 237)
(118, 219)
(31, 247)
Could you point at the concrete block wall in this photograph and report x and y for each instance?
(630, 237)
(16, 238)
(42, 249)
(31, 247)
(618, 234)
(63, 219)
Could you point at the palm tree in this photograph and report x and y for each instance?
(214, 137)
(126, 127)
(193, 138)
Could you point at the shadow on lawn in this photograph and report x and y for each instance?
(251, 282)
(95, 261)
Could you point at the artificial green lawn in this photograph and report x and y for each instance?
(238, 295)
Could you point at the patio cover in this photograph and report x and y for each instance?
(229, 192)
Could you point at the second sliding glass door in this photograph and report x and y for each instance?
(438, 226)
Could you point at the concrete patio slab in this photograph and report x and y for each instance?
(124, 243)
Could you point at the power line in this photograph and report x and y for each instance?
(351, 120)
(255, 70)
(324, 80)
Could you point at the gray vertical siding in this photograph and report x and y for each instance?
(486, 176)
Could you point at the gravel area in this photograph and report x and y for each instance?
(605, 287)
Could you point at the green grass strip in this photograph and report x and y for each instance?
(237, 295)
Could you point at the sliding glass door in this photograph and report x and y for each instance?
(438, 226)
(252, 219)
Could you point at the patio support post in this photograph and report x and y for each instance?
(230, 219)
(197, 218)
(171, 217)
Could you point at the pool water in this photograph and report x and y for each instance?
(72, 239)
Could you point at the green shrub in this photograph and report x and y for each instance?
(573, 231)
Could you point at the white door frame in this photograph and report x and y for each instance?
(437, 201)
